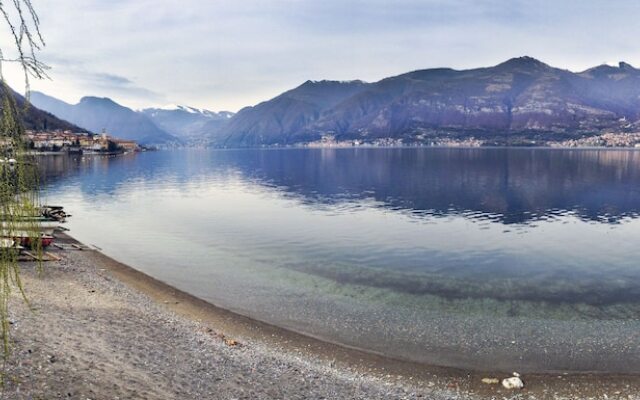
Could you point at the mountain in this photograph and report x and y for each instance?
(521, 98)
(34, 118)
(285, 119)
(187, 123)
(103, 114)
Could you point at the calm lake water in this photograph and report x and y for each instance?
(515, 259)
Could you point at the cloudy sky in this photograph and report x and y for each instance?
(223, 55)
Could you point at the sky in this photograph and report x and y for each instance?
(225, 55)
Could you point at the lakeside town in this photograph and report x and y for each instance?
(604, 140)
(59, 141)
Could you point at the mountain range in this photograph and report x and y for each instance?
(103, 114)
(519, 99)
(189, 124)
(171, 125)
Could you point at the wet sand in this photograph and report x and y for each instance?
(99, 329)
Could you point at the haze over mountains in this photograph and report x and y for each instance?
(521, 98)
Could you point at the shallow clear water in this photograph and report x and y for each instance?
(481, 258)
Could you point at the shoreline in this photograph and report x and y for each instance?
(419, 379)
(537, 147)
(361, 147)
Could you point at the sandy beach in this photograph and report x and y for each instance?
(98, 329)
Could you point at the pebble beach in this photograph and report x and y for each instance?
(97, 329)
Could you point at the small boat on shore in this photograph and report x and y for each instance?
(55, 213)
(44, 213)
(32, 230)
(26, 240)
(24, 218)
(43, 241)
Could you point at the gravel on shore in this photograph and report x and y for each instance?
(89, 335)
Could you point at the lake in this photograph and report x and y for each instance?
(514, 259)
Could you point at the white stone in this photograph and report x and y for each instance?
(513, 383)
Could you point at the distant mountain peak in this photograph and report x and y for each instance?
(170, 107)
(327, 82)
(611, 70)
(525, 62)
(626, 66)
(186, 109)
(97, 100)
(178, 107)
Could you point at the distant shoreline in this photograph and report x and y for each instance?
(402, 146)
(406, 146)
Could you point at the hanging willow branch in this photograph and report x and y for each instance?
(24, 26)
(18, 173)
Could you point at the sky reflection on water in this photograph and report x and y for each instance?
(512, 224)
(445, 256)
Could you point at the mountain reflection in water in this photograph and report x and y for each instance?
(505, 192)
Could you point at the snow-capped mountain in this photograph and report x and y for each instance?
(175, 124)
(192, 110)
(187, 123)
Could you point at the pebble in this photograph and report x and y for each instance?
(512, 383)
